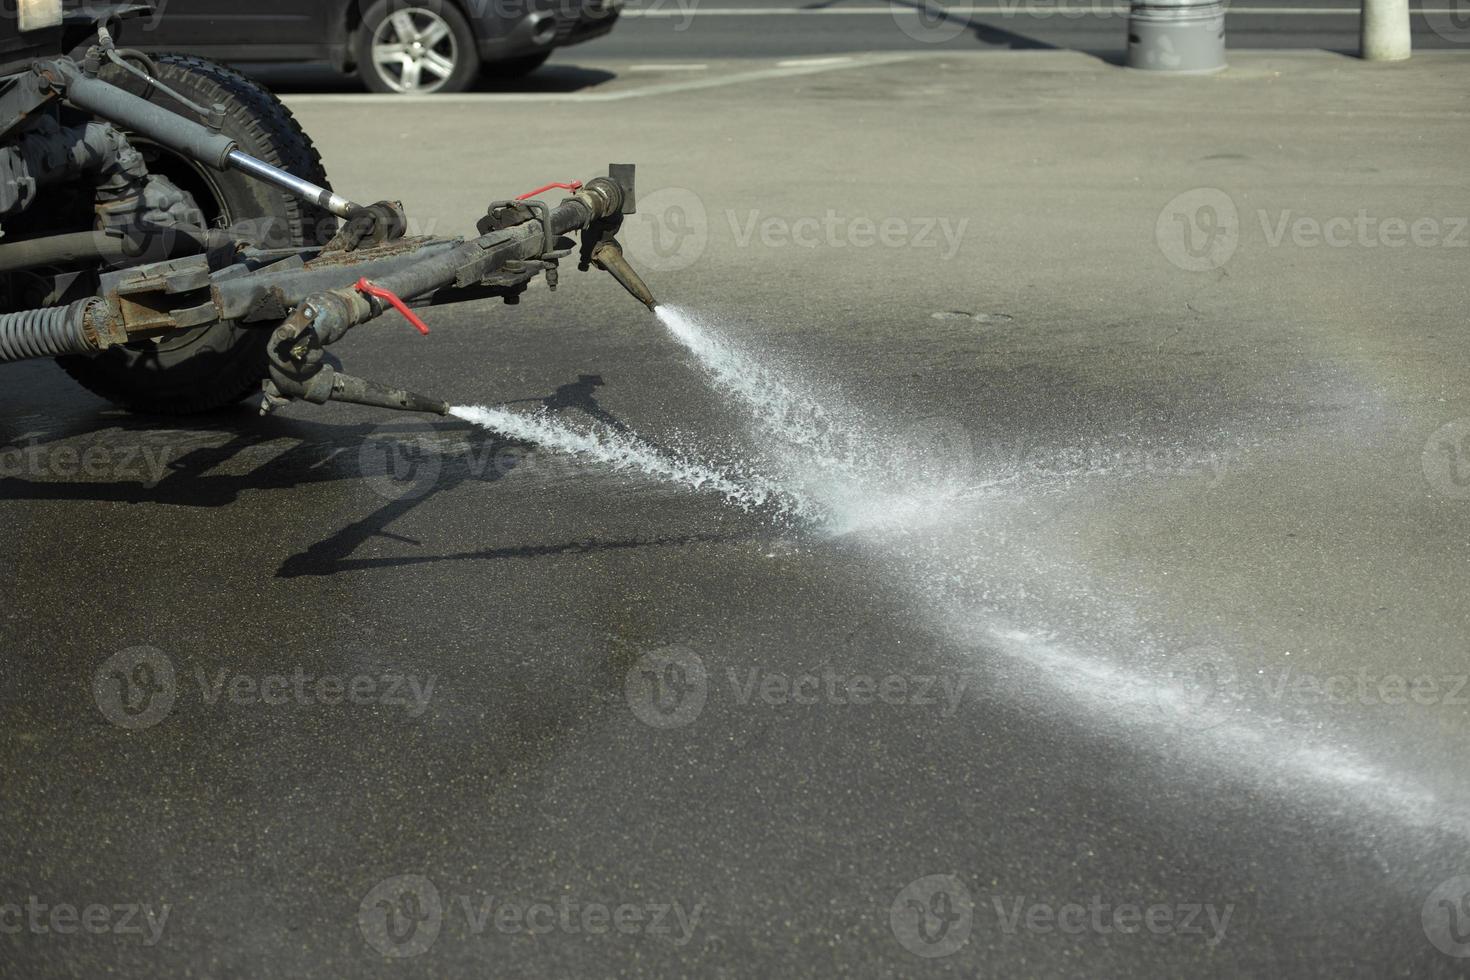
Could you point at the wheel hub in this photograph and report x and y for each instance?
(414, 51)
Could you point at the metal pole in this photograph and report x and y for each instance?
(294, 185)
(1385, 30)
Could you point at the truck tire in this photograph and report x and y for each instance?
(199, 370)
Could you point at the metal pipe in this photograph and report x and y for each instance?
(178, 133)
(96, 246)
(304, 189)
(360, 391)
(185, 136)
(489, 252)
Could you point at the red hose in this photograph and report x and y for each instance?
(575, 185)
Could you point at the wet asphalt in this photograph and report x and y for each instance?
(1176, 687)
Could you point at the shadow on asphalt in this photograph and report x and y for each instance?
(317, 79)
(984, 33)
(323, 453)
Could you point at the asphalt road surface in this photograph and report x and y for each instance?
(687, 34)
(1138, 646)
(672, 29)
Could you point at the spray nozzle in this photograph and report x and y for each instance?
(327, 384)
(608, 256)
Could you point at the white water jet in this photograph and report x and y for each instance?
(858, 471)
(625, 451)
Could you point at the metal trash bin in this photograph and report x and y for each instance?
(1182, 36)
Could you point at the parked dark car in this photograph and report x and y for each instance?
(408, 46)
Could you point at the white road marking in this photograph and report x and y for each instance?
(659, 67)
(666, 88)
(800, 62)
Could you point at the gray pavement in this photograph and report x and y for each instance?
(1176, 687)
(767, 28)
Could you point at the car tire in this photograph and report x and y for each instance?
(208, 368)
(516, 67)
(446, 60)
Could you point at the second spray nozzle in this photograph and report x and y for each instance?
(608, 256)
